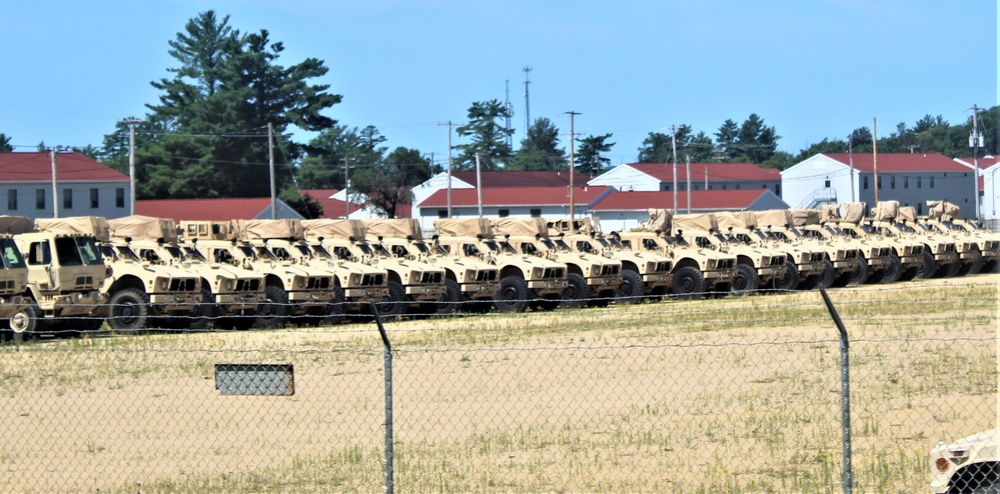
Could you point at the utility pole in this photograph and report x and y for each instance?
(850, 161)
(976, 140)
(673, 141)
(55, 185)
(687, 175)
(347, 183)
(572, 170)
(131, 160)
(270, 165)
(527, 108)
(449, 124)
(479, 187)
(875, 157)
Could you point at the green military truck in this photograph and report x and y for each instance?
(141, 294)
(526, 281)
(229, 294)
(65, 274)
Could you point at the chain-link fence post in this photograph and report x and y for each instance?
(389, 487)
(845, 388)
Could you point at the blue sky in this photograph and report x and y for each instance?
(812, 69)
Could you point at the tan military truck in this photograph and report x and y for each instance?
(970, 464)
(467, 278)
(643, 273)
(756, 265)
(842, 253)
(972, 247)
(525, 281)
(889, 222)
(592, 279)
(13, 283)
(696, 270)
(229, 295)
(291, 291)
(741, 227)
(905, 255)
(989, 243)
(412, 286)
(138, 291)
(65, 274)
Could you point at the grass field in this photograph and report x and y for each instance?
(722, 395)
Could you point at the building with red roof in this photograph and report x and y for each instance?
(621, 210)
(520, 202)
(82, 186)
(216, 209)
(911, 179)
(989, 196)
(333, 206)
(701, 176)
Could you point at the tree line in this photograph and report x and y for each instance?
(209, 133)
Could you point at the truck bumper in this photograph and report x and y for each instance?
(713, 278)
(366, 294)
(75, 304)
(656, 279)
(604, 282)
(174, 302)
(10, 305)
(472, 291)
(425, 292)
(547, 287)
(910, 261)
(237, 303)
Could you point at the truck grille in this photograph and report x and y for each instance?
(432, 278)
(248, 285)
(851, 254)
(84, 281)
(816, 257)
(6, 285)
(373, 280)
(609, 269)
(662, 267)
(724, 264)
(883, 252)
(777, 261)
(318, 283)
(490, 275)
(990, 245)
(947, 248)
(183, 285)
(555, 273)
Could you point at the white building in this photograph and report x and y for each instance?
(82, 186)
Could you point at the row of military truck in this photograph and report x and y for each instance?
(134, 273)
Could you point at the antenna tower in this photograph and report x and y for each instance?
(509, 107)
(527, 107)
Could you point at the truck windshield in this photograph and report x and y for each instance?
(320, 252)
(304, 250)
(194, 254)
(88, 251)
(263, 253)
(380, 250)
(507, 248)
(422, 247)
(125, 252)
(174, 252)
(249, 253)
(11, 256)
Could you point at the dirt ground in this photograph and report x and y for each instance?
(637, 398)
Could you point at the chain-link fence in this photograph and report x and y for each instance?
(734, 394)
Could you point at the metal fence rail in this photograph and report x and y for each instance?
(730, 395)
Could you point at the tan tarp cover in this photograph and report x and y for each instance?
(886, 210)
(143, 228)
(907, 213)
(333, 228)
(659, 221)
(14, 225)
(393, 227)
(463, 227)
(943, 210)
(88, 225)
(735, 219)
(264, 229)
(854, 212)
(774, 218)
(702, 222)
(803, 217)
(829, 212)
(520, 227)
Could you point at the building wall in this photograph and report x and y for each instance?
(35, 199)
(915, 189)
(626, 178)
(991, 194)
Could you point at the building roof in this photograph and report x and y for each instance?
(70, 167)
(208, 209)
(332, 208)
(984, 161)
(521, 179)
(899, 162)
(717, 172)
(700, 199)
(516, 196)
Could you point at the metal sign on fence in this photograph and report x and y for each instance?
(255, 379)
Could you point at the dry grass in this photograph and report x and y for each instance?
(724, 395)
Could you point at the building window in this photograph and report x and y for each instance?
(12, 199)
(777, 190)
(442, 213)
(932, 182)
(67, 198)
(710, 187)
(724, 186)
(880, 183)
(920, 208)
(763, 186)
(39, 198)
(864, 182)
(666, 187)
(920, 182)
(119, 197)
(536, 213)
(503, 213)
(737, 187)
(906, 182)
(892, 181)
(94, 204)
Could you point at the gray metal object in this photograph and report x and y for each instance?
(845, 389)
(255, 379)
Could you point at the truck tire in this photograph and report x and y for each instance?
(577, 292)
(128, 310)
(451, 301)
(25, 323)
(631, 289)
(826, 279)
(395, 304)
(512, 295)
(689, 282)
(860, 272)
(975, 266)
(746, 279)
(203, 313)
(791, 279)
(927, 266)
(274, 311)
(894, 271)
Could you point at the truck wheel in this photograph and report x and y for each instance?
(791, 279)
(545, 304)
(128, 310)
(394, 305)
(893, 272)
(631, 289)
(576, 293)
(949, 270)
(25, 323)
(826, 279)
(746, 279)
(975, 266)
(274, 311)
(512, 295)
(335, 313)
(202, 314)
(860, 272)
(689, 282)
(927, 266)
(451, 301)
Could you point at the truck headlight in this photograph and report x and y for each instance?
(227, 285)
(162, 284)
